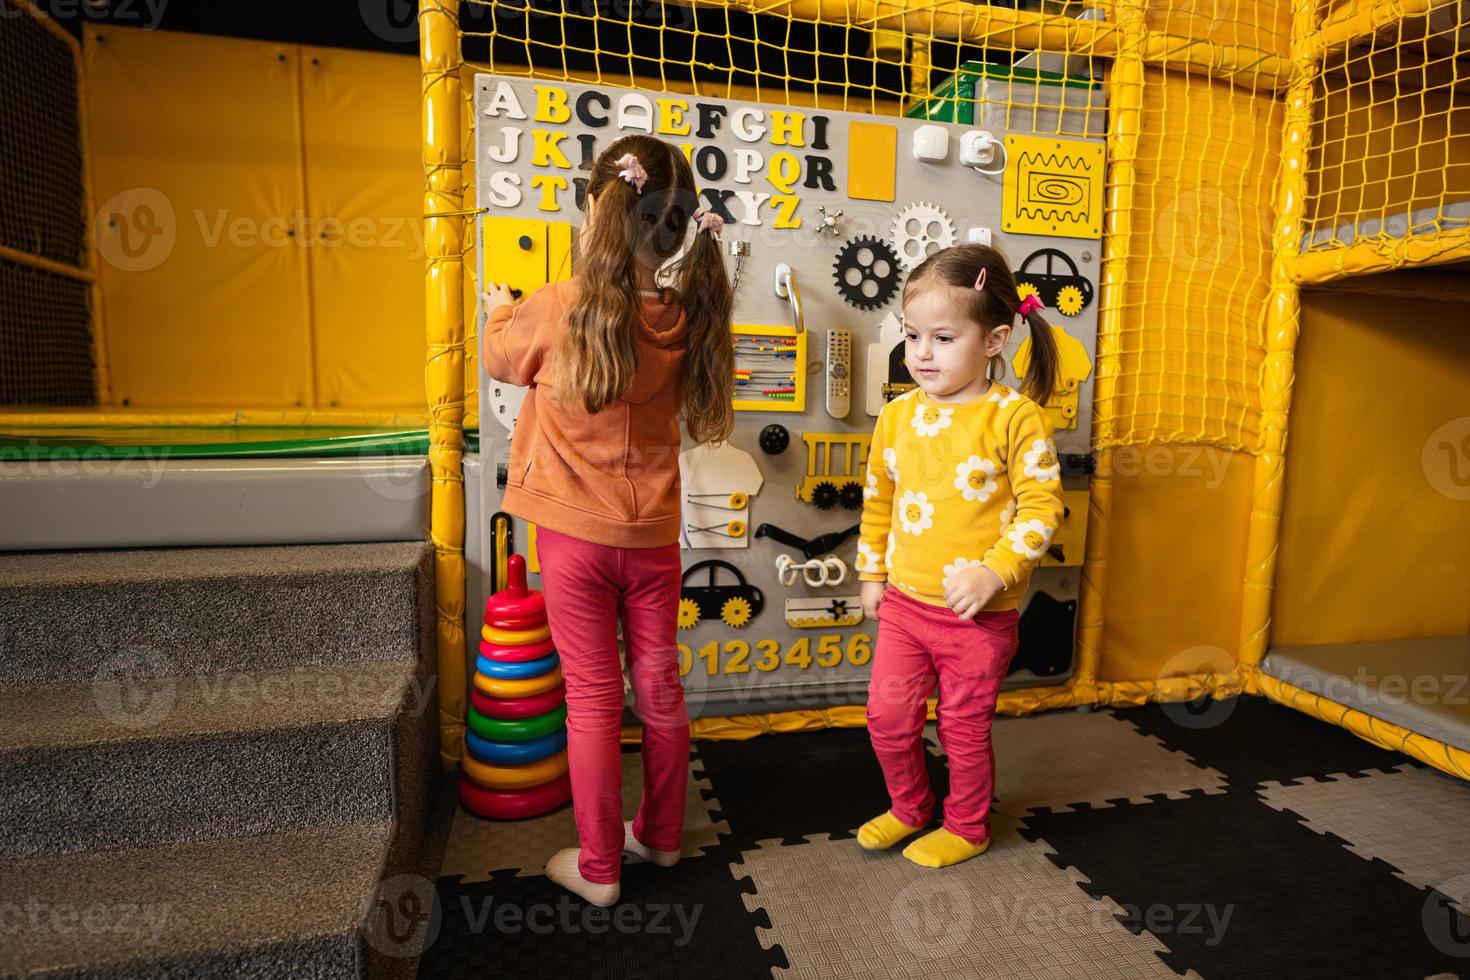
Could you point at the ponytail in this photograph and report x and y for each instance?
(1044, 365)
(704, 288)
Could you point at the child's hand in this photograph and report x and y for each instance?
(499, 294)
(871, 594)
(971, 590)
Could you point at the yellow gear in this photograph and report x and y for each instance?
(688, 614)
(1024, 289)
(1069, 301)
(735, 612)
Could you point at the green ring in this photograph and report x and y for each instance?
(517, 729)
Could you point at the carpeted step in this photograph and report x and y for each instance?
(69, 615)
(107, 763)
(278, 905)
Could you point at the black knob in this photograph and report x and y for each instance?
(775, 439)
(526, 243)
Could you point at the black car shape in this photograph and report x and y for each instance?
(735, 605)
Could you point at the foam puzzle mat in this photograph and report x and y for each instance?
(1237, 839)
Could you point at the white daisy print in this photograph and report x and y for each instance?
(871, 490)
(1030, 538)
(954, 568)
(1041, 461)
(1003, 396)
(890, 463)
(916, 513)
(888, 554)
(975, 478)
(1007, 515)
(929, 420)
(867, 558)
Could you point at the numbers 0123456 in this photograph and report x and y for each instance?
(740, 656)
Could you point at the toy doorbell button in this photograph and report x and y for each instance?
(931, 143)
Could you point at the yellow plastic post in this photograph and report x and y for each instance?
(1283, 320)
(1125, 97)
(439, 56)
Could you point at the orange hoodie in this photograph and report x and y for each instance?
(610, 478)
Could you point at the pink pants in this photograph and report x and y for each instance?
(589, 588)
(916, 641)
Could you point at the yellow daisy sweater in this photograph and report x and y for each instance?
(953, 486)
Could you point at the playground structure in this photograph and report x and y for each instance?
(1282, 182)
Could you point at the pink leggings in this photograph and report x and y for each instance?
(916, 641)
(589, 588)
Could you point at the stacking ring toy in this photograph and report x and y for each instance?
(514, 671)
(523, 688)
(518, 729)
(514, 622)
(515, 777)
(536, 704)
(512, 655)
(514, 804)
(515, 753)
(514, 638)
(516, 601)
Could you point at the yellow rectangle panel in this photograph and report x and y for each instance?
(872, 161)
(1377, 505)
(364, 192)
(196, 159)
(515, 252)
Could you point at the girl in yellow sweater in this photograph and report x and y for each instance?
(963, 496)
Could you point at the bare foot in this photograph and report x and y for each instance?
(562, 869)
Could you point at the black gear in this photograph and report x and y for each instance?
(824, 495)
(851, 495)
(866, 272)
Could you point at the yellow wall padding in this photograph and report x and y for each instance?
(1377, 511)
(197, 172)
(1261, 25)
(360, 116)
(1447, 758)
(1176, 545)
(266, 250)
(1185, 357)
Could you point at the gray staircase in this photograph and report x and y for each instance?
(228, 747)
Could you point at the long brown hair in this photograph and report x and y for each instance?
(598, 356)
(998, 303)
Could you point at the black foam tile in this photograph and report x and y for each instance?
(1299, 904)
(1253, 739)
(791, 786)
(549, 933)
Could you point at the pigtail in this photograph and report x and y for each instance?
(1045, 362)
(704, 289)
(598, 354)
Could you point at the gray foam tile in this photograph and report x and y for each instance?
(1411, 818)
(477, 846)
(839, 911)
(1063, 758)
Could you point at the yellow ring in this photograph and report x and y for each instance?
(497, 687)
(514, 777)
(514, 638)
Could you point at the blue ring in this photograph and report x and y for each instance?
(516, 671)
(515, 753)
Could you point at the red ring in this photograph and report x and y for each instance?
(527, 707)
(514, 622)
(517, 805)
(518, 654)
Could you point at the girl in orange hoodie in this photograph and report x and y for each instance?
(612, 359)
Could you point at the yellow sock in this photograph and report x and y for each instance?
(883, 831)
(941, 849)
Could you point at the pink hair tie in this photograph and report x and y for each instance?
(631, 170)
(1030, 305)
(709, 222)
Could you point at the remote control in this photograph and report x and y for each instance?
(839, 372)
